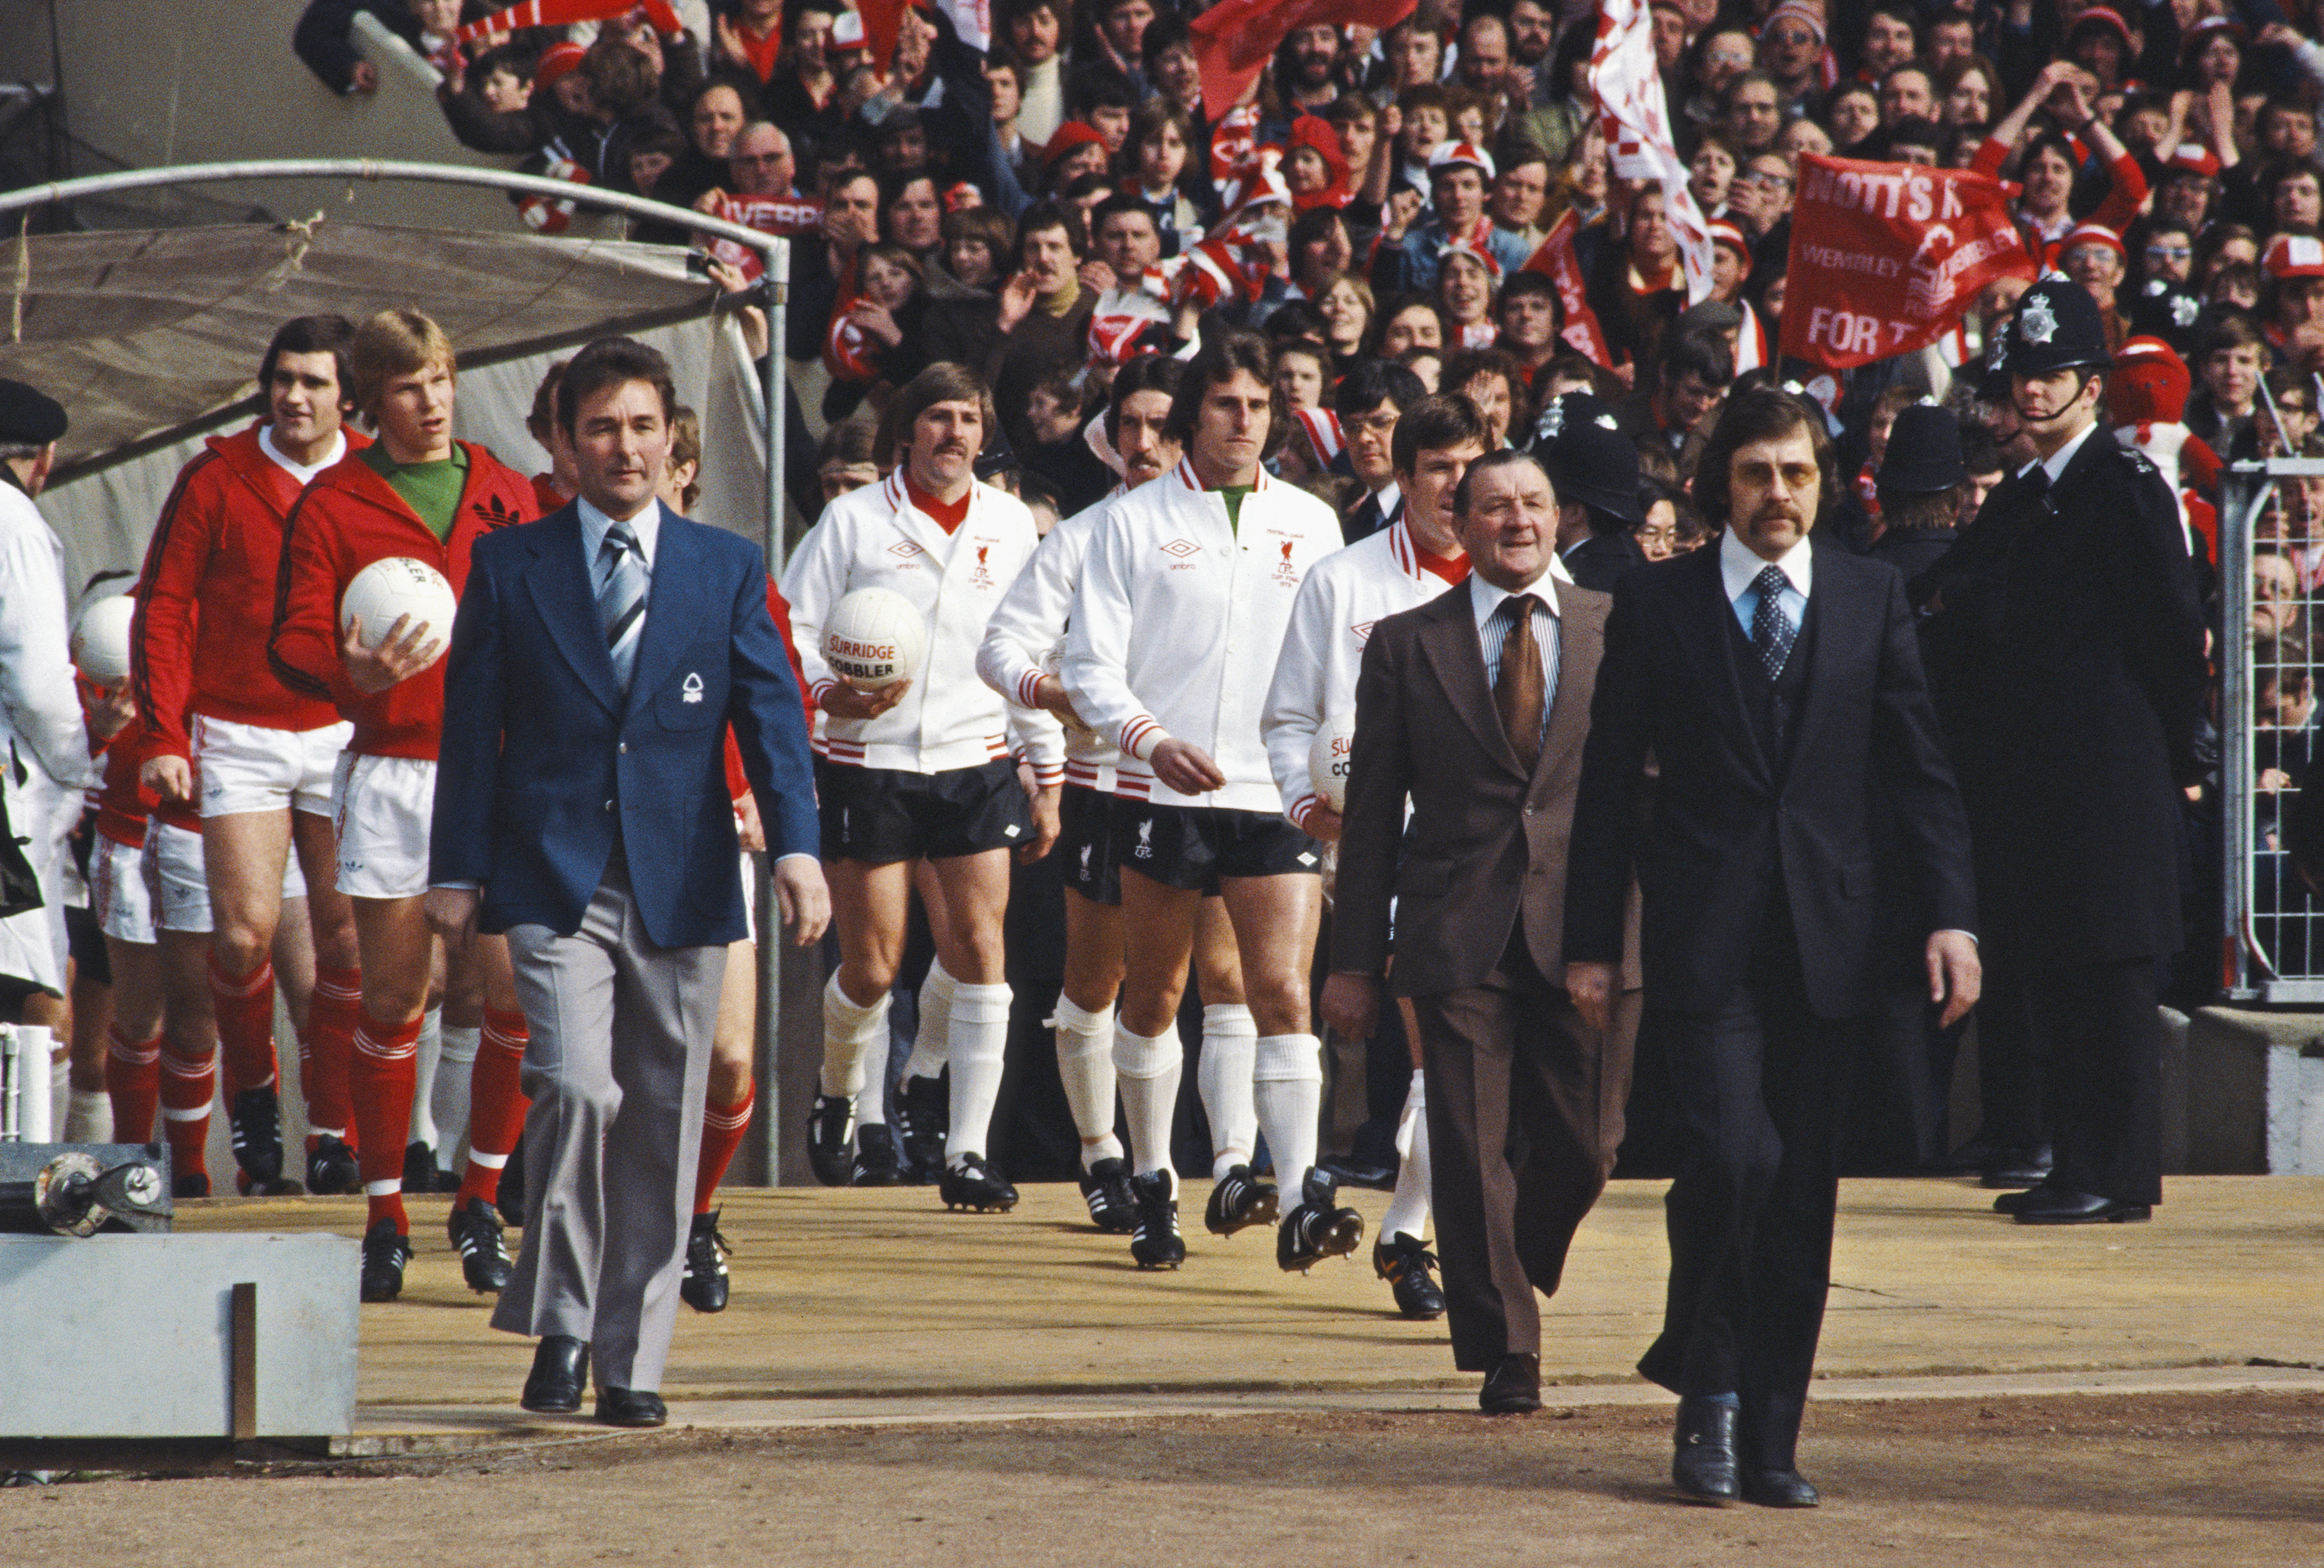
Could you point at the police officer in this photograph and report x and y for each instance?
(2070, 610)
(1594, 469)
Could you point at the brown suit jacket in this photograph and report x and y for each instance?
(1487, 844)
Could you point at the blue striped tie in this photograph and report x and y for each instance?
(621, 600)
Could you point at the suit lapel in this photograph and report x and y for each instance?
(674, 610)
(1569, 711)
(1703, 614)
(1841, 625)
(1448, 640)
(558, 581)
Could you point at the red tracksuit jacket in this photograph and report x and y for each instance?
(349, 518)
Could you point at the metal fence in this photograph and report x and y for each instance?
(2272, 806)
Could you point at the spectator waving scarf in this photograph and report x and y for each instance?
(1636, 116)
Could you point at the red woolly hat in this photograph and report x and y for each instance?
(2149, 384)
(1073, 133)
(556, 61)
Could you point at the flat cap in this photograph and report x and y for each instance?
(29, 417)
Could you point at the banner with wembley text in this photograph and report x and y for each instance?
(1887, 256)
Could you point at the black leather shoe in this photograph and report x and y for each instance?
(331, 1168)
(927, 1121)
(1778, 1488)
(560, 1372)
(385, 1251)
(255, 1123)
(704, 1285)
(1513, 1386)
(2010, 1203)
(631, 1407)
(1352, 1170)
(1703, 1467)
(1405, 1262)
(511, 1201)
(2058, 1207)
(2020, 1167)
(475, 1228)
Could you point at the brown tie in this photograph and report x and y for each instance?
(1518, 694)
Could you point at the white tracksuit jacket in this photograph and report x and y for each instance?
(874, 537)
(1022, 640)
(45, 761)
(1177, 621)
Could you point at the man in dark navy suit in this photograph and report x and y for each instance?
(598, 659)
(1777, 683)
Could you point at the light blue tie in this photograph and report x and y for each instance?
(621, 600)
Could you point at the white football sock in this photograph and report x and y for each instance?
(34, 1121)
(932, 1040)
(60, 1100)
(1223, 1077)
(1288, 1087)
(428, 1048)
(1086, 1067)
(88, 1116)
(978, 1047)
(849, 1031)
(1407, 1209)
(448, 1101)
(1148, 1067)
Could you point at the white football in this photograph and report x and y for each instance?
(392, 588)
(875, 638)
(1328, 756)
(100, 642)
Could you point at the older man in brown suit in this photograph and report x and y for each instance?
(1474, 706)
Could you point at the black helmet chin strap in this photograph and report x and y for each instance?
(2085, 373)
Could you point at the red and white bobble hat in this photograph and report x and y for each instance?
(1476, 252)
(847, 30)
(2149, 384)
(2294, 256)
(1728, 233)
(2193, 157)
(2092, 233)
(1455, 154)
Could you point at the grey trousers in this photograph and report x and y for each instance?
(617, 1069)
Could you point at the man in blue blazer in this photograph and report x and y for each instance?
(598, 657)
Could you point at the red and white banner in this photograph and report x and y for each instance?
(1887, 256)
(792, 216)
(564, 13)
(1236, 39)
(1553, 259)
(1635, 114)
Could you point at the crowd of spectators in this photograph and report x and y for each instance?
(1384, 204)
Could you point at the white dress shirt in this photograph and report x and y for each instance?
(2055, 463)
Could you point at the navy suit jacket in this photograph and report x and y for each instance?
(544, 761)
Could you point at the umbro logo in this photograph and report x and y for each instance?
(1182, 549)
(905, 550)
(1362, 631)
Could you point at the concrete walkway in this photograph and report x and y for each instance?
(878, 1307)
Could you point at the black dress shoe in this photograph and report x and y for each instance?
(2010, 1203)
(560, 1372)
(2021, 1168)
(631, 1407)
(1513, 1388)
(1703, 1466)
(2058, 1207)
(1778, 1488)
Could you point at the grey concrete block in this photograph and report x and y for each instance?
(2255, 1092)
(2174, 1042)
(132, 1336)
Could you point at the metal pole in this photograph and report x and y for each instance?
(374, 169)
(2245, 491)
(768, 1047)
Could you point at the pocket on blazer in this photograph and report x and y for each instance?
(693, 697)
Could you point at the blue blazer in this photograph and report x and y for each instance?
(543, 760)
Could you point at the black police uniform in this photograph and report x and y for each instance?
(1590, 462)
(2073, 637)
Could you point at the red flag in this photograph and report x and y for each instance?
(564, 13)
(1553, 259)
(1891, 254)
(1236, 39)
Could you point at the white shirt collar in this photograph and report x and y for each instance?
(1484, 598)
(1739, 566)
(2055, 463)
(304, 473)
(594, 524)
(1389, 498)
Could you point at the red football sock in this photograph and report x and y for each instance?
(382, 1072)
(331, 1019)
(722, 1127)
(496, 1105)
(132, 1078)
(188, 1087)
(245, 1025)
